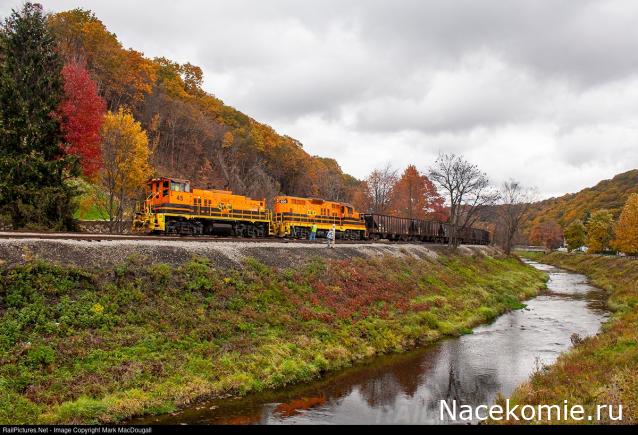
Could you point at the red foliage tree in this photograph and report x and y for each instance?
(415, 196)
(82, 114)
(548, 234)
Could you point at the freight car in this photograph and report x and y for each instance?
(172, 206)
(474, 236)
(380, 226)
(405, 229)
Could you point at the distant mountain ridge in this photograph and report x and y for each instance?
(608, 194)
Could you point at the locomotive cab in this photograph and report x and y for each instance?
(164, 191)
(162, 195)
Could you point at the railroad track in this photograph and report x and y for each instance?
(96, 237)
(99, 237)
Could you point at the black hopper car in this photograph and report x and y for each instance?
(380, 226)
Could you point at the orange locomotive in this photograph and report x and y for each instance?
(294, 217)
(172, 206)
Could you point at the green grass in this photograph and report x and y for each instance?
(602, 369)
(90, 202)
(93, 213)
(81, 346)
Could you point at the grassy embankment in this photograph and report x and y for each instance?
(602, 369)
(80, 346)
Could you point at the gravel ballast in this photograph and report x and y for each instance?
(98, 254)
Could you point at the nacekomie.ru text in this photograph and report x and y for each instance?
(511, 412)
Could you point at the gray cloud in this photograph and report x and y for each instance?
(546, 92)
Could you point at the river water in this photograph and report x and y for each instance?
(408, 388)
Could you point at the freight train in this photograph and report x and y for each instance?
(173, 206)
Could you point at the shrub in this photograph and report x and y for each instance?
(160, 274)
(41, 355)
(198, 274)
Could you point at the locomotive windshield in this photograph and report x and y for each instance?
(179, 186)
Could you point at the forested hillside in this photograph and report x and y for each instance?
(546, 222)
(608, 194)
(193, 134)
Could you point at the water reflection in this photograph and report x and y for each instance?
(408, 388)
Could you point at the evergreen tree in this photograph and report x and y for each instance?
(33, 166)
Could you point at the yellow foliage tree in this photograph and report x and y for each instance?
(627, 227)
(228, 140)
(599, 231)
(126, 168)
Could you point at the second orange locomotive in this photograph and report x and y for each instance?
(294, 217)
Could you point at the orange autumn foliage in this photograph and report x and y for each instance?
(124, 77)
(415, 196)
(193, 134)
(626, 229)
(548, 234)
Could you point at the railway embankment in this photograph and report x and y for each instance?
(600, 370)
(102, 331)
(225, 253)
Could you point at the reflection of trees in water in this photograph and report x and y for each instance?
(443, 372)
(456, 380)
(401, 378)
(296, 406)
(471, 389)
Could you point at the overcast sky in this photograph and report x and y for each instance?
(545, 92)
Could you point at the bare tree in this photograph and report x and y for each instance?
(379, 186)
(467, 190)
(330, 186)
(516, 202)
(260, 184)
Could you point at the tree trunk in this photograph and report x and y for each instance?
(111, 211)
